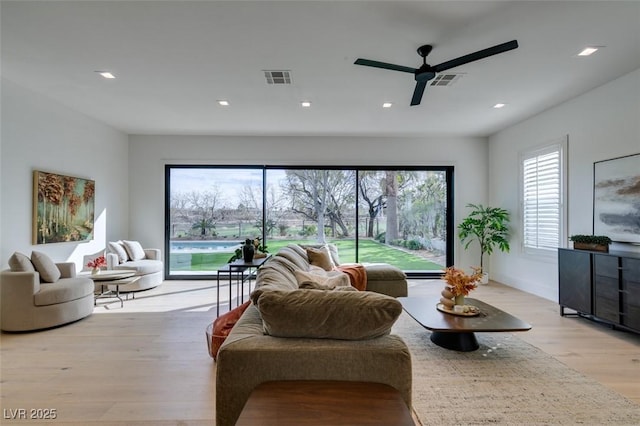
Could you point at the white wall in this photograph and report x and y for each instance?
(149, 154)
(601, 124)
(40, 134)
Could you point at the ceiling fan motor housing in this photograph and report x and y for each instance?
(424, 75)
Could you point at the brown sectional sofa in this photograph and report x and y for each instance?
(250, 357)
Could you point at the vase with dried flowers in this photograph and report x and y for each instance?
(96, 264)
(459, 285)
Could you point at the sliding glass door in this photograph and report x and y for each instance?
(399, 216)
(209, 212)
(402, 218)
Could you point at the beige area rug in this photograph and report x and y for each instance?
(506, 381)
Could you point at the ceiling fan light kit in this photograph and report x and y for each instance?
(428, 72)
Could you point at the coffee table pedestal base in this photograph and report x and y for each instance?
(461, 342)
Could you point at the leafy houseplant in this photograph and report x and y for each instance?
(487, 226)
(591, 242)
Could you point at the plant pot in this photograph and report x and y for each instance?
(95, 271)
(591, 247)
(485, 278)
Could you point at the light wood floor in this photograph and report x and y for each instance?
(147, 363)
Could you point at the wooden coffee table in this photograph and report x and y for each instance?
(457, 332)
(324, 403)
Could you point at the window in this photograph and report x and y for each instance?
(542, 197)
(396, 215)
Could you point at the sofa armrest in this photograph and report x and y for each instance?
(112, 260)
(18, 286)
(153, 254)
(67, 269)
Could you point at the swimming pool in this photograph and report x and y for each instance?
(204, 246)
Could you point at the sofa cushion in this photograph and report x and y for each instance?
(64, 290)
(134, 250)
(222, 327)
(383, 272)
(142, 267)
(277, 272)
(329, 280)
(46, 267)
(320, 257)
(117, 247)
(346, 315)
(19, 262)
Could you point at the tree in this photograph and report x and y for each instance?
(251, 198)
(320, 194)
(178, 209)
(391, 195)
(371, 192)
(203, 206)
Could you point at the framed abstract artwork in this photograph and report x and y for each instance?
(616, 198)
(63, 208)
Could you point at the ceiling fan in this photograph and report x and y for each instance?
(427, 72)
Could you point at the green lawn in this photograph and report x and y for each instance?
(370, 252)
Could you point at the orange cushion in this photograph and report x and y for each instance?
(222, 327)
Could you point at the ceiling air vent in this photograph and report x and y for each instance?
(444, 80)
(278, 77)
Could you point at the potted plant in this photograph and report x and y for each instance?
(487, 226)
(591, 242)
(260, 250)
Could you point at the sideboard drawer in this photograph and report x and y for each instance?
(607, 309)
(606, 266)
(606, 287)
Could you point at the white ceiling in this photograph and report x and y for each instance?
(174, 59)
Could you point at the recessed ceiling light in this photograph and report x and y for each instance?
(588, 51)
(387, 105)
(222, 102)
(106, 74)
(499, 105)
(305, 104)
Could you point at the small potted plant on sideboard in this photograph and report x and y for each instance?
(591, 242)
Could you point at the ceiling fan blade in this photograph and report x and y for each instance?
(417, 93)
(384, 65)
(481, 54)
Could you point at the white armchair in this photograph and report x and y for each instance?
(30, 304)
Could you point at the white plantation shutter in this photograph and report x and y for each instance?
(542, 198)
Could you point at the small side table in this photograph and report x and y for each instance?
(236, 272)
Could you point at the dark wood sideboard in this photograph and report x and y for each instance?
(601, 286)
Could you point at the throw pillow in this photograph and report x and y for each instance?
(117, 247)
(49, 272)
(331, 248)
(346, 315)
(134, 250)
(19, 262)
(329, 281)
(320, 257)
(222, 327)
(333, 251)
